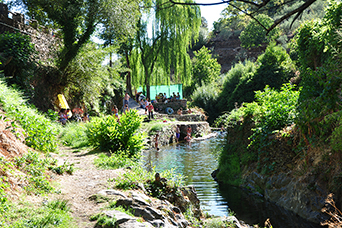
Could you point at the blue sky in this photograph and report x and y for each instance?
(211, 13)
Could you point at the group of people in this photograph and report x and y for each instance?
(65, 115)
(163, 98)
(148, 106)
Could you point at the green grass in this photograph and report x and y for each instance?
(40, 132)
(74, 135)
(114, 161)
(49, 214)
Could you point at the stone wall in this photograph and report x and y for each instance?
(44, 39)
(175, 105)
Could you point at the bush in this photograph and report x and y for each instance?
(117, 137)
(206, 97)
(240, 72)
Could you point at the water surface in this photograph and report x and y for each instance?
(196, 161)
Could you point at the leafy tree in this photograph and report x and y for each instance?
(78, 20)
(17, 50)
(205, 69)
(88, 79)
(166, 48)
(310, 44)
(254, 34)
(203, 36)
(240, 72)
(205, 97)
(274, 69)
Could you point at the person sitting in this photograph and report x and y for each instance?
(146, 105)
(115, 111)
(173, 97)
(164, 97)
(180, 111)
(189, 111)
(178, 96)
(63, 117)
(142, 104)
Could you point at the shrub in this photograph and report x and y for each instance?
(117, 137)
(206, 97)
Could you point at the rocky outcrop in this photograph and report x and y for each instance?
(293, 193)
(155, 212)
(167, 134)
(175, 105)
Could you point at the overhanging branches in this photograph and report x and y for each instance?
(259, 6)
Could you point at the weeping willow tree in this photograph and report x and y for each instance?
(161, 55)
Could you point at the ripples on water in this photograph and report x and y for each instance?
(196, 162)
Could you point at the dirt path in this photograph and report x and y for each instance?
(86, 181)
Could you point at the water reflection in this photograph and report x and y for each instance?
(196, 161)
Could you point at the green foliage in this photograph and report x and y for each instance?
(74, 134)
(167, 47)
(254, 34)
(40, 132)
(17, 50)
(205, 68)
(272, 111)
(117, 137)
(206, 97)
(240, 73)
(230, 26)
(310, 44)
(277, 110)
(51, 214)
(114, 161)
(35, 167)
(274, 69)
(88, 80)
(103, 220)
(80, 19)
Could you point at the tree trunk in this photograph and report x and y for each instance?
(128, 77)
(147, 84)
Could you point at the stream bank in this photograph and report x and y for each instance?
(278, 173)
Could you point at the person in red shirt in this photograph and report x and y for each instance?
(150, 109)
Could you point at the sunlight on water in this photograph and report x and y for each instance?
(196, 162)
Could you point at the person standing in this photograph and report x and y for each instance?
(188, 134)
(150, 110)
(177, 133)
(126, 99)
(156, 141)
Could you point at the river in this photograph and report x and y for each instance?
(196, 162)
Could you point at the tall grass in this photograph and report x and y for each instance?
(40, 132)
(74, 135)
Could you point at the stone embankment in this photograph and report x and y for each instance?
(290, 192)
